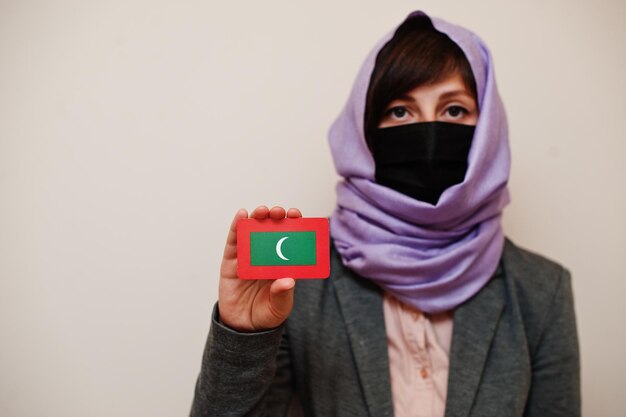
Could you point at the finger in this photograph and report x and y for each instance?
(294, 213)
(260, 213)
(281, 297)
(230, 250)
(277, 213)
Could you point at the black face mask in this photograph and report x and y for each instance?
(421, 160)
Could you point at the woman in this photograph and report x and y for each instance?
(429, 310)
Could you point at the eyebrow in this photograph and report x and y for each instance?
(453, 93)
(443, 96)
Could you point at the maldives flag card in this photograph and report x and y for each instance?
(295, 248)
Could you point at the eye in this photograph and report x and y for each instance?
(456, 111)
(397, 112)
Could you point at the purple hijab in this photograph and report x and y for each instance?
(431, 257)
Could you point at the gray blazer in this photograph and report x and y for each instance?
(514, 351)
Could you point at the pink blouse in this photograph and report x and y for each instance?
(419, 346)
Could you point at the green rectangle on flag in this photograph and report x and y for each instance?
(282, 248)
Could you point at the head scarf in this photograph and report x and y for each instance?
(431, 257)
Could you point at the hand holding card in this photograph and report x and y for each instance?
(252, 305)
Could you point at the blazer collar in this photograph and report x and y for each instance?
(361, 305)
(475, 324)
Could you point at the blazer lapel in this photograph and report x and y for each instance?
(475, 324)
(361, 305)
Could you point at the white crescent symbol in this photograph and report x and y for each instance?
(278, 250)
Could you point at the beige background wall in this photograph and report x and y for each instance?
(131, 131)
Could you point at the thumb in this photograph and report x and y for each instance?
(281, 297)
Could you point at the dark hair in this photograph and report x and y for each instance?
(417, 54)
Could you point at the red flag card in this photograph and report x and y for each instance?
(295, 248)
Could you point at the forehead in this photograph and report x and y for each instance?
(449, 86)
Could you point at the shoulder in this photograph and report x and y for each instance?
(524, 260)
(537, 287)
(532, 276)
